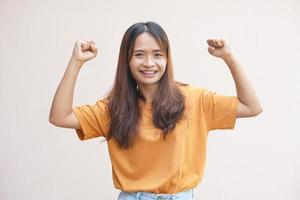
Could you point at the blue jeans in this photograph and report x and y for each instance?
(185, 195)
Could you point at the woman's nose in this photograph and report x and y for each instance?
(149, 62)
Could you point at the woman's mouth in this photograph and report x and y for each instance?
(148, 73)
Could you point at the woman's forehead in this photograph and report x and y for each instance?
(146, 41)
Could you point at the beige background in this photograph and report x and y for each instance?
(259, 159)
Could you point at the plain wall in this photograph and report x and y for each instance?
(259, 159)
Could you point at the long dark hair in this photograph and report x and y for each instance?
(168, 103)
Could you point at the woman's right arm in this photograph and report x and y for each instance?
(61, 113)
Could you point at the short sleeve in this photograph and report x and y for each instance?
(93, 119)
(220, 110)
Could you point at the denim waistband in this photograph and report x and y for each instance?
(137, 195)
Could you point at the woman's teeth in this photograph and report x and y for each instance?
(148, 73)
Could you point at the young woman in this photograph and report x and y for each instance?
(156, 128)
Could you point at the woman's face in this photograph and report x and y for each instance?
(148, 61)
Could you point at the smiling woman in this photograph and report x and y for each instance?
(148, 118)
(144, 73)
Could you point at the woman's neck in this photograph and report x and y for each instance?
(148, 92)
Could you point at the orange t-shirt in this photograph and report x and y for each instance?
(155, 165)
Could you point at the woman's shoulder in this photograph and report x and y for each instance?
(103, 102)
(189, 88)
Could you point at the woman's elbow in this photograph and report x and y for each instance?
(52, 121)
(55, 121)
(257, 111)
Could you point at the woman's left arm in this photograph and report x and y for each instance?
(249, 104)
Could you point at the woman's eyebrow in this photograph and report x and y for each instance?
(140, 50)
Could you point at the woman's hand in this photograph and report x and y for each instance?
(84, 51)
(218, 48)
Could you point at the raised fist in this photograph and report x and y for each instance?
(218, 47)
(84, 50)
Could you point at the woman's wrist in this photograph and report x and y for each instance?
(228, 57)
(75, 63)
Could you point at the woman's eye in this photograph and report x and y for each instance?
(158, 55)
(138, 54)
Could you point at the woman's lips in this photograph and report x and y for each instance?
(148, 73)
